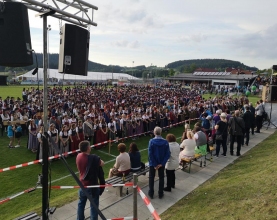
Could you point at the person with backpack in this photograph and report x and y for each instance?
(90, 173)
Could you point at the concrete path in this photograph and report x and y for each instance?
(113, 206)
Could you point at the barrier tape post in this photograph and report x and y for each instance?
(135, 197)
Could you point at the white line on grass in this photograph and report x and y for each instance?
(56, 180)
(106, 153)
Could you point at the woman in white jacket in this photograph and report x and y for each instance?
(172, 162)
(188, 146)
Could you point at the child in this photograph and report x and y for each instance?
(10, 131)
(18, 133)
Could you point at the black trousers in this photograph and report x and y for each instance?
(170, 178)
(238, 139)
(259, 122)
(246, 136)
(152, 172)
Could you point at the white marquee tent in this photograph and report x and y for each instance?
(92, 76)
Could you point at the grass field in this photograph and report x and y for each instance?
(245, 189)
(20, 179)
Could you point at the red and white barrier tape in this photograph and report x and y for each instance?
(75, 151)
(96, 186)
(148, 204)
(16, 195)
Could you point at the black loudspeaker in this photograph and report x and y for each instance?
(272, 96)
(15, 39)
(74, 49)
(3, 80)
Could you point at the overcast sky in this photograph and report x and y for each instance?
(158, 32)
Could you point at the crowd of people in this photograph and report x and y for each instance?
(102, 113)
(81, 116)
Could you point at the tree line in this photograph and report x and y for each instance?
(182, 66)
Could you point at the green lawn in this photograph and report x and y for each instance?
(245, 189)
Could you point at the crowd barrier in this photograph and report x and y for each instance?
(16, 195)
(137, 188)
(92, 146)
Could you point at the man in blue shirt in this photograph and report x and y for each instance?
(158, 153)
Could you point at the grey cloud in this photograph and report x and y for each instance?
(134, 44)
(126, 44)
(260, 44)
(197, 38)
(122, 43)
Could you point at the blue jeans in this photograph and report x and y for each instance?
(82, 203)
(152, 172)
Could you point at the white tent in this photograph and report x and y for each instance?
(97, 76)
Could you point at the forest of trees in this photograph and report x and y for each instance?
(218, 64)
(182, 66)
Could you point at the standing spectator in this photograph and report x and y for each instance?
(10, 134)
(252, 110)
(222, 129)
(73, 135)
(249, 119)
(158, 153)
(32, 141)
(88, 129)
(112, 129)
(5, 118)
(259, 116)
(40, 148)
(53, 134)
(236, 131)
(18, 133)
(90, 173)
(64, 139)
(172, 162)
(80, 132)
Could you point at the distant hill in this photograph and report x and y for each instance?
(183, 66)
(218, 64)
(54, 60)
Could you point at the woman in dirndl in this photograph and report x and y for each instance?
(80, 132)
(64, 139)
(53, 134)
(74, 138)
(32, 141)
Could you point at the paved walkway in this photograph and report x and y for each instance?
(114, 207)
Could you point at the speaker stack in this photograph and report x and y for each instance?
(74, 50)
(15, 38)
(272, 94)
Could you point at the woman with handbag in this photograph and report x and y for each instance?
(221, 134)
